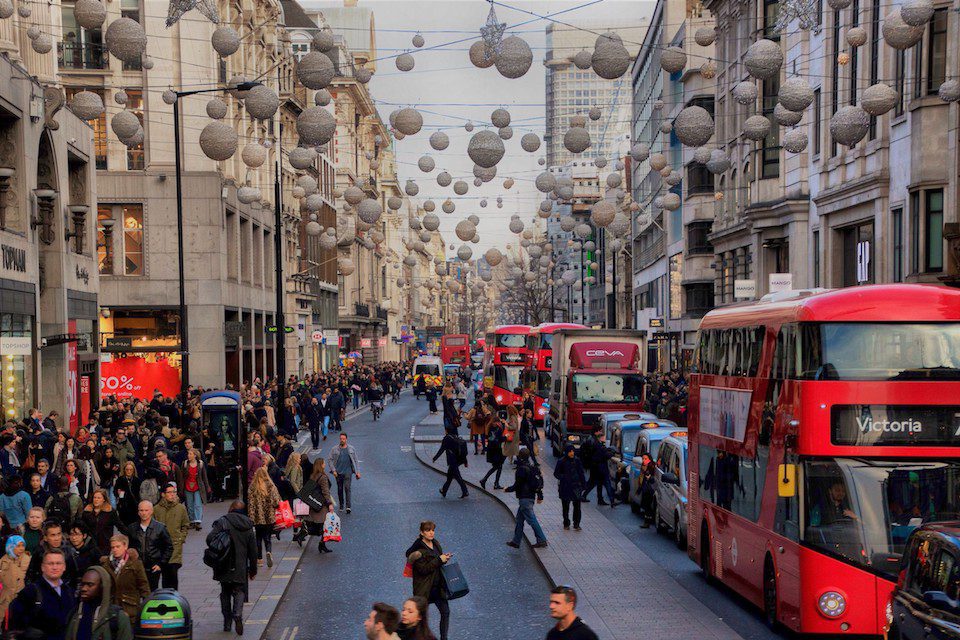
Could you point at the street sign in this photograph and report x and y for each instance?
(364, 343)
(382, 342)
(275, 329)
(744, 289)
(317, 335)
(780, 282)
(656, 323)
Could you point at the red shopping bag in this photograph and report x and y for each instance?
(284, 516)
(408, 570)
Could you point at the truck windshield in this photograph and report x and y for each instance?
(607, 387)
(880, 351)
(863, 510)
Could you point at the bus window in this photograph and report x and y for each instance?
(506, 377)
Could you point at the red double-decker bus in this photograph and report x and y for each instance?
(536, 377)
(825, 428)
(505, 355)
(455, 349)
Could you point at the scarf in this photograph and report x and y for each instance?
(11, 545)
(117, 563)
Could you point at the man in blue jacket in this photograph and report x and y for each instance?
(42, 609)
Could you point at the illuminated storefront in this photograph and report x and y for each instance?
(16, 361)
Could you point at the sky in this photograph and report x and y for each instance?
(449, 92)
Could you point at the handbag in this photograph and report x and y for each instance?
(331, 528)
(408, 570)
(454, 582)
(300, 508)
(284, 515)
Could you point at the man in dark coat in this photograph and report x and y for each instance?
(597, 459)
(456, 450)
(152, 541)
(233, 576)
(43, 608)
(572, 479)
(336, 403)
(314, 414)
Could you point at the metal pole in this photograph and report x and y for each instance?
(615, 323)
(583, 289)
(184, 339)
(280, 321)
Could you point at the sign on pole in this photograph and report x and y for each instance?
(780, 282)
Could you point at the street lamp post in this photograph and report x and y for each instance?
(184, 339)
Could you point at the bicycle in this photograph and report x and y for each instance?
(376, 407)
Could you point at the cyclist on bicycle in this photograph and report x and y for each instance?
(375, 394)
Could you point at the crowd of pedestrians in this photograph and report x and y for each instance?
(94, 518)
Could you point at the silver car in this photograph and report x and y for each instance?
(670, 507)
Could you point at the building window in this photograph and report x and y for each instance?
(874, 57)
(105, 266)
(771, 11)
(99, 125)
(933, 233)
(699, 299)
(676, 291)
(131, 9)
(816, 258)
(835, 80)
(896, 224)
(16, 365)
(817, 131)
(854, 53)
(135, 154)
(915, 232)
(133, 240)
(770, 154)
(698, 238)
(918, 69)
(703, 101)
(699, 179)
(900, 80)
(937, 56)
(80, 48)
(300, 49)
(857, 254)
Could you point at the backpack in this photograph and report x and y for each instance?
(60, 510)
(219, 552)
(150, 491)
(462, 452)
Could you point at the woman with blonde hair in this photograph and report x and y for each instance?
(127, 491)
(262, 500)
(294, 472)
(511, 433)
(316, 493)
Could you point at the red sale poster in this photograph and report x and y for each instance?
(134, 377)
(73, 386)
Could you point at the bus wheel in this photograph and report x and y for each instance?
(705, 553)
(769, 594)
(678, 537)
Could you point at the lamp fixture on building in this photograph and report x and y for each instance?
(107, 247)
(44, 219)
(79, 214)
(6, 173)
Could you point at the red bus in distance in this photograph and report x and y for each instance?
(824, 428)
(505, 355)
(455, 349)
(536, 377)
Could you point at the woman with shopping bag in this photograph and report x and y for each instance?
(316, 495)
(262, 502)
(426, 559)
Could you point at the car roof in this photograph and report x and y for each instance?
(660, 432)
(640, 425)
(680, 442)
(612, 416)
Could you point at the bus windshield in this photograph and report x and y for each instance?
(511, 340)
(546, 341)
(607, 387)
(506, 377)
(863, 510)
(880, 351)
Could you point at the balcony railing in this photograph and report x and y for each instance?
(362, 310)
(651, 254)
(82, 55)
(381, 313)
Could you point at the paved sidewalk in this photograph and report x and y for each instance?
(203, 593)
(623, 593)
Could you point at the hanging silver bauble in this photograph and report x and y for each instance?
(460, 187)
(856, 36)
(576, 140)
(465, 230)
(897, 33)
(595, 113)
(418, 41)
(546, 206)
(950, 91)
(719, 162)
(763, 59)
(313, 228)
(541, 161)
(353, 195)
(308, 183)
(369, 210)
(125, 124)
(218, 141)
(583, 59)
(324, 40)
(24, 11)
(620, 225)
(477, 182)
(362, 75)
(480, 55)
(376, 236)
(500, 118)
(405, 62)
(425, 236)
(169, 96)
(6, 9)
(464, 252)
(673, 179)
(673, 59)
(394, 203)
(613, 180)
(411, 188)
(493, 256)
(408, 121)
(530, 142)
(795, 94)
(756, 127)
(86, 105)
(603, 213)
(795, 141)
(599, 162)
(233, 87)
(315, 70)
(745, 92)
(126, 39)
(262, 102)
(568, 223)
(300, 157)
(89, 14)
(146, 63)
(786, 117)
(670, 201)
(849, 125)
(610, 60)
(516, 225)
(879, 98)
(298, 193)
(505, 133)
(345, 265)
(514, 58)
(702, 155)
(693, 126)
(322, 98)
(426, 164)
(639, 152)
(508, 183)
(316, 126)
(439, 140)
(917, 13)
(582, 231)
(658, 161)
(431, 222)
(448, 206)
(429, 205)
(545, 182)
(120, 97)
(444, 179)
(485, 148)
(216, 108)
(248, 194)
(254, 155)
(705, 36)
(225, 40)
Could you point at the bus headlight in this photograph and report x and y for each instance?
(832, 604)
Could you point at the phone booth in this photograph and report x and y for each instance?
(224, 428)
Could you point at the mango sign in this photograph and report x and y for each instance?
(134, 377)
